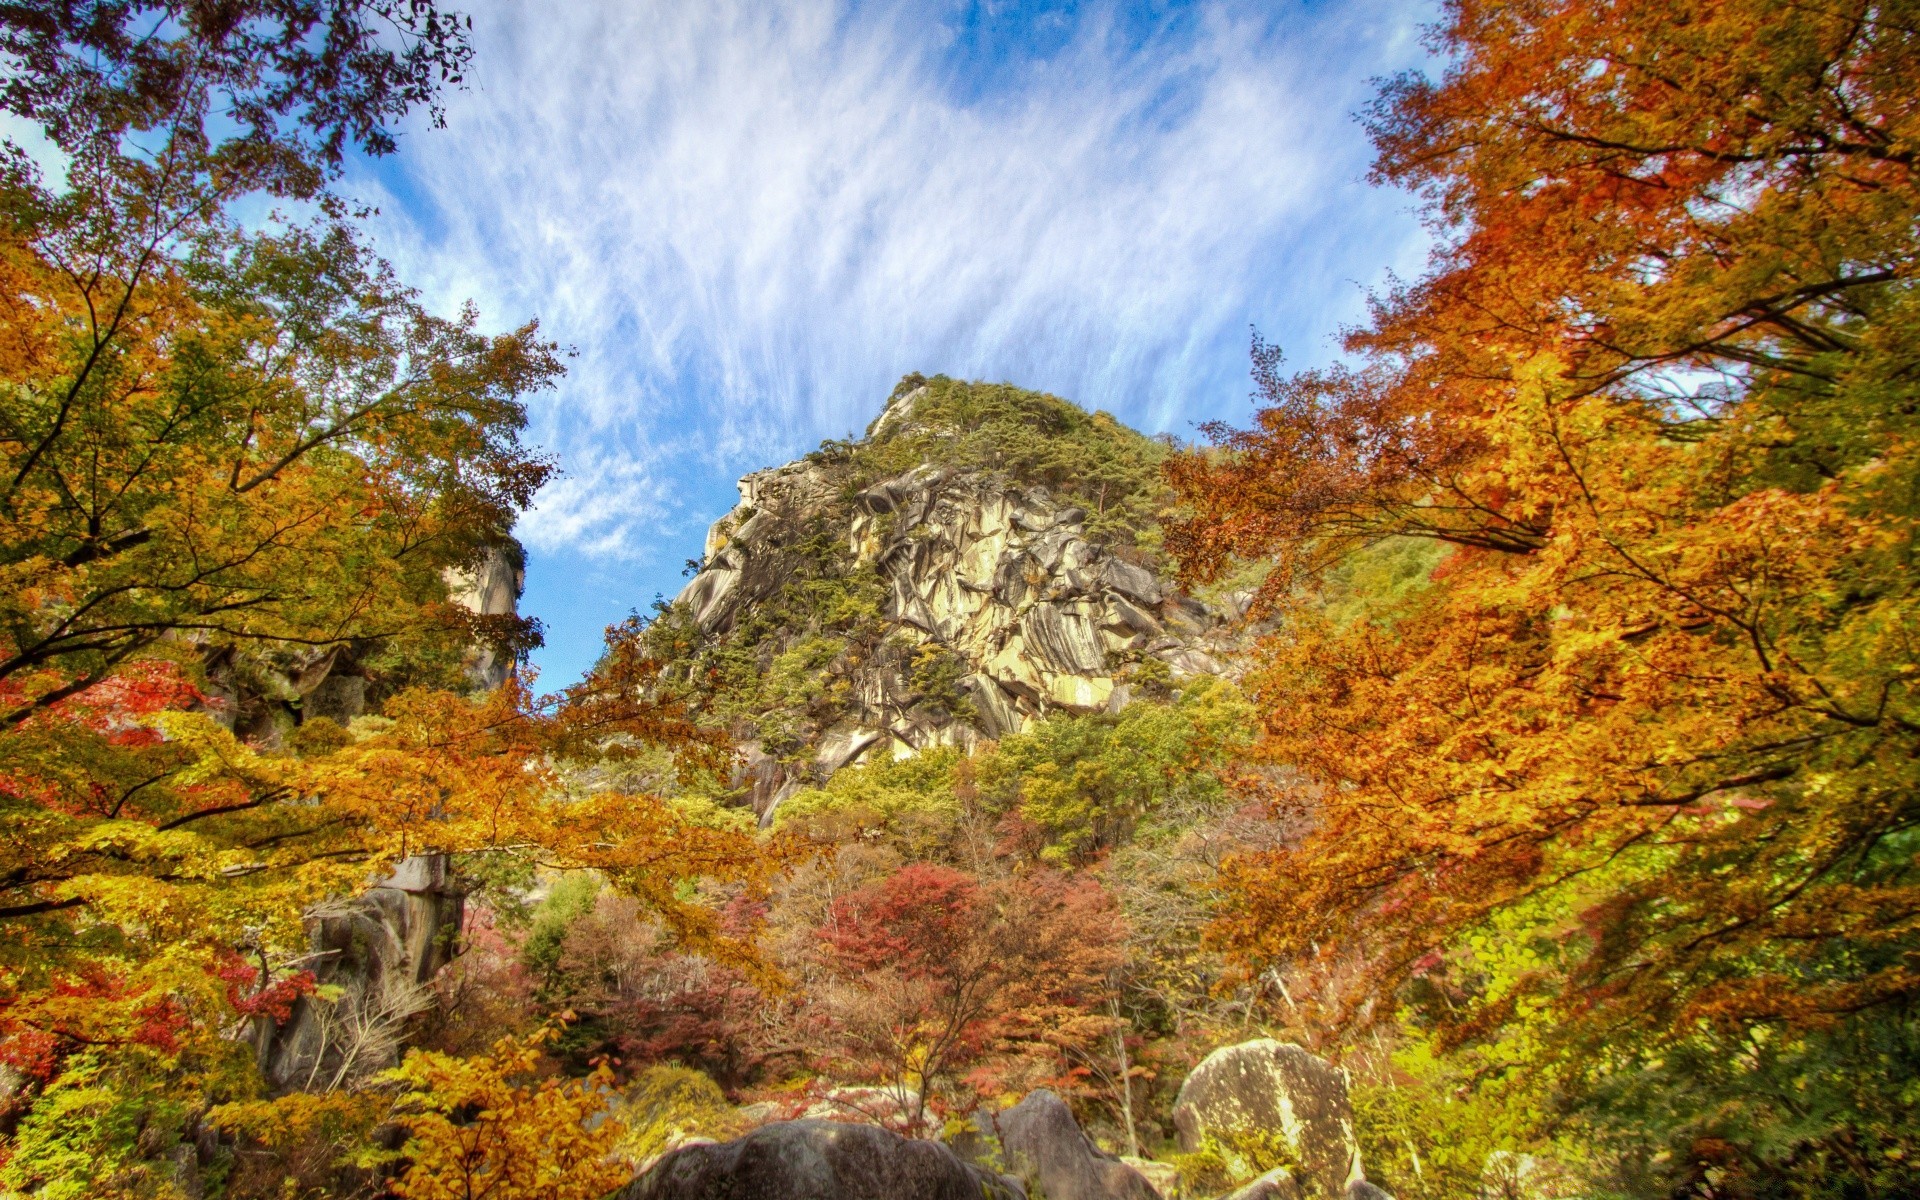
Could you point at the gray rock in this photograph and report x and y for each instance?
(996, 576)
(1277, 1184)
(1165, 1177)
(1065, 640)
(1266, 1085)
(491, 589)
(1124, 618)
(1046, 1147)
(380, 949)
(1360, 1189)
(711, 595)
(818, 1160)
(997, 715)
(842, 746)
(1186, 663)
(1135, 583)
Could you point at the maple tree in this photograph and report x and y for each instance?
(933, 972)
(1656, 394)
(247, 450)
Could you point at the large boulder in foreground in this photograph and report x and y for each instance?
(1258, 1088)
(1046, 1147)
(818, 1160)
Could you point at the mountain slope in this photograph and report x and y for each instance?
(983, 558)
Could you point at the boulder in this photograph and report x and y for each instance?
(1262, 1086)
(1046, 1147)
(1277, 1184)
(1165, 1177)
(818, 1160)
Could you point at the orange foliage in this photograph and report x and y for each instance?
(1657, 393)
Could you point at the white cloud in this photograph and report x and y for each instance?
(751, 216)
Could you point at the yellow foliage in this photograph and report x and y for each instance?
(485, 1128)
(667, 1104)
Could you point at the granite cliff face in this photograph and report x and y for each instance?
(993, 597)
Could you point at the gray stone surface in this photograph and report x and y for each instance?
(492, 589)
(818, 1160)
(1277, 1184)
(1046, 1147)
(1274, 1086)
(380, 949)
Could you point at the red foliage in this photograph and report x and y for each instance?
(940, 976)
(705, 1023)
(32, 1052)
(915, 921)
(160, 1024)
(114, 705)
(274, 1001)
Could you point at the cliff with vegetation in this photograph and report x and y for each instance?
(984, 558)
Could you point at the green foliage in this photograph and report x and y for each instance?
(912, 798)
(1232, 1157)
(570, 898)
(937, 674)
(1811, 1113)
(1033, 438)
(1088, 782)
(105, 1124)
(666, 1103)
(1374, 581)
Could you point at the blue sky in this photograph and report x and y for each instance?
(749, 218)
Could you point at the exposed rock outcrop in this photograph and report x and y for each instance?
(998, 590)
(492, 589)
(1046, 1147)
(1265, 1085)
(264, 696)
(818, 1160)
(1277, 1184)
(380, 949)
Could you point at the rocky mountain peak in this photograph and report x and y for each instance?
(941, 581)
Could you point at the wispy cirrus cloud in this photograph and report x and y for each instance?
(750, 217)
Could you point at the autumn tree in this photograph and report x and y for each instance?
(222, 441)
(279, 90)
(1653, 714)
(933, 973)
(489, 1127)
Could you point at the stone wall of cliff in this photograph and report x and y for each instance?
(973, 597)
